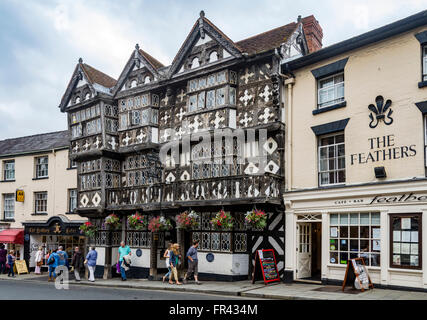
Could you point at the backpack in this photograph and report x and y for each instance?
(51, 260)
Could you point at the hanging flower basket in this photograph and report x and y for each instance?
(256, 219)
(187, 220)
(137, 221)
(113, 221)
(222, 221)
(88, 229)
(159, 223)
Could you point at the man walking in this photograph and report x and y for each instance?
(77, 263)
(91, 263)
(123, 251)
(192, 262)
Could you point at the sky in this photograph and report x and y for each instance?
(41, 41)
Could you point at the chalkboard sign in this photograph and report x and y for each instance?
(265, 264)
(357, 275)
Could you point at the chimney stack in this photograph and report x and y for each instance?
(313, 33)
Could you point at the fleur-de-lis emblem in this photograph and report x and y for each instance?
(382, 112)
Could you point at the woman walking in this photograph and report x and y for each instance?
(173, 262)
(11, 262)
(167, 256)
(39, 260)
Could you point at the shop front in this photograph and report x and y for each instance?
(381, 223)
(50, 234)
(13, 239)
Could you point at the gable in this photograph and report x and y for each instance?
(204, 44)
(140, 69)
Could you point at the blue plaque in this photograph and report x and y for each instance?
(210, 257)
(138, 252)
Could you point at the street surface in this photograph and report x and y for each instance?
(36, 290)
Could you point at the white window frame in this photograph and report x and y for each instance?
(424, 61)
(336, 158)
(72, 199)
(40, 202)
(7, 176)
(39, 172)
(335, 86)
(9, 206)
(341, 223)
(425, 140)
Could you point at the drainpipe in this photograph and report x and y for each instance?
(289, 83)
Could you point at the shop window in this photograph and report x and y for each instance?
(9, 170)
(405, 241)
(41, 167)
(330, 90)
(72, 199)
(331, 159)
(9, 206)
(40, 202)
(354, 235)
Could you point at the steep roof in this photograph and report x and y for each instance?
(34, 143)
(154, 62)
(267, 40)
(96, 76)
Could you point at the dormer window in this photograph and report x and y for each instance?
(213, 56)
(195, 63)
(147, 79)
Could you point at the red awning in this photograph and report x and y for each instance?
(12, 236)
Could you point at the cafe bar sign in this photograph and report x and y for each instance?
(381, 199)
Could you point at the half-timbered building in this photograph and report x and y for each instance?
(136, 142)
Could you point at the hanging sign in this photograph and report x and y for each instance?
(265, 263)
(21, 266)
(20, 195)
(357, 275)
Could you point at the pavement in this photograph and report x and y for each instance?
(245, 289)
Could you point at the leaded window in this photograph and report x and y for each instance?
(331, 159)
(192, 103)
(135, 117)
(210, 99)
(220, 96)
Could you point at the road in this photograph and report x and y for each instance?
(35, 290)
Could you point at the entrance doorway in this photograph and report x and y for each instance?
(309, 254)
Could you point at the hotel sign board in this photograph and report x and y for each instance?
(20, 195)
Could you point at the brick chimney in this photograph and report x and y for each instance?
(313, 33)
